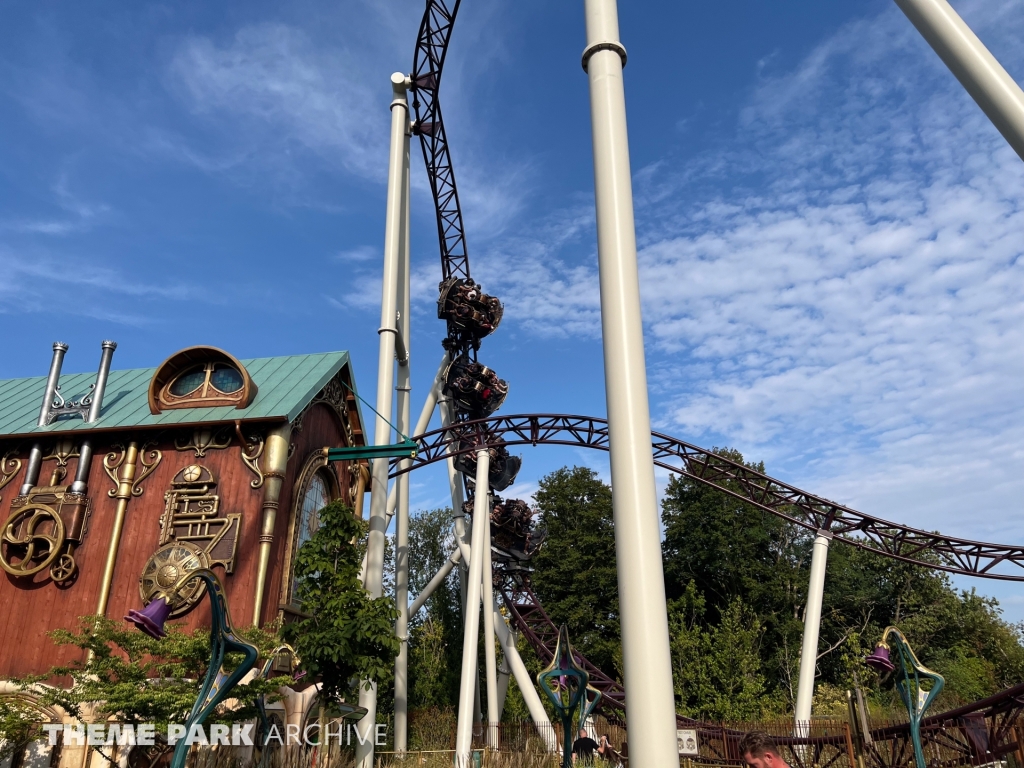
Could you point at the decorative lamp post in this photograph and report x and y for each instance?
(569, 691)
(218, 682)
(910, 672)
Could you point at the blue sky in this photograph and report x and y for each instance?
(830, 230)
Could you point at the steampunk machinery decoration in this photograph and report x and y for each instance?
(193, 534)
(43, 530)
(48, 522)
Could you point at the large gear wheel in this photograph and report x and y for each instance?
(166, 566)
(32, 538)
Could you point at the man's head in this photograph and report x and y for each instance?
(583, 733)
(759, 751)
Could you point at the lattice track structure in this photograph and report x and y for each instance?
(977, 733)
(428, 64)
(928, 549)
(980, 731)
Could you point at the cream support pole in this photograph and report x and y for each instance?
(393, 232)
(455, 484)
(647, 663)
(278, 442)
(978, 71)
(504, 672)
(524, 681)
(402, 487)
(426, 414)
(435, 582)
(470, 637)
(490, 660)
(812, 623)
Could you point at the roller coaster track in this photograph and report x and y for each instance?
(428, 64)
(980, 732)
(931, 550)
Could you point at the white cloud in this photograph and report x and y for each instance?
(840, 291)
(287, 94)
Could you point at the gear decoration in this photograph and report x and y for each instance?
(163, 570)
(42, 532)
(192, 514)
(32, 539)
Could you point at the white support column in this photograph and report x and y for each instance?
(523, 679)
(504, 673)
(978, 71)
(490, 659)
(442, 573)
(426, 414)
(393, 233)
(470, 638)
(647, 663)
(403, 403)
(812, 623)
(455, 485)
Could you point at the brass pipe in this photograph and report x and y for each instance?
(277, 464)
(123, 495)
(362, 480)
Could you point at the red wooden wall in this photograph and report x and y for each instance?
(29, 608)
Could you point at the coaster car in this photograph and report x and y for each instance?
(467, 309)
(475, 389)
(503, 469)
(512, 529)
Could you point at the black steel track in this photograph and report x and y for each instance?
(929, 549)
(428, 65)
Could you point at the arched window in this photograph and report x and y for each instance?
(316, 487)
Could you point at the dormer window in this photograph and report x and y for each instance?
(200, 386)
(200, 377)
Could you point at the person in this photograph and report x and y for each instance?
(583, 749)
(608, 753)
(760, 751)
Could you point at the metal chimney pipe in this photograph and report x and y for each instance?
(35, 462)
(102, 374)
(85, 452)
(59, 350)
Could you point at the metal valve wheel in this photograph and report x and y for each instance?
(63, 568)
(31, 540)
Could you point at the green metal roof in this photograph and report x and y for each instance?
(286, 386)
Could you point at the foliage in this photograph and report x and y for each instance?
(737, 580)
(716, 669)
(575, 574)
(346, 635)
(435, 635)
(18, 726)
(727, 553)
(134, 678)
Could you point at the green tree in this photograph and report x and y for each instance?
(435, 634)
(574, 572)
(716, 670)
(345, 635)
(721, 552)
(133, 678)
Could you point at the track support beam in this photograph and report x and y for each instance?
(373, 575)
(978, 71)
(647, 663)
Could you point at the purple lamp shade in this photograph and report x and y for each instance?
(151, 618)
(879, 659)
